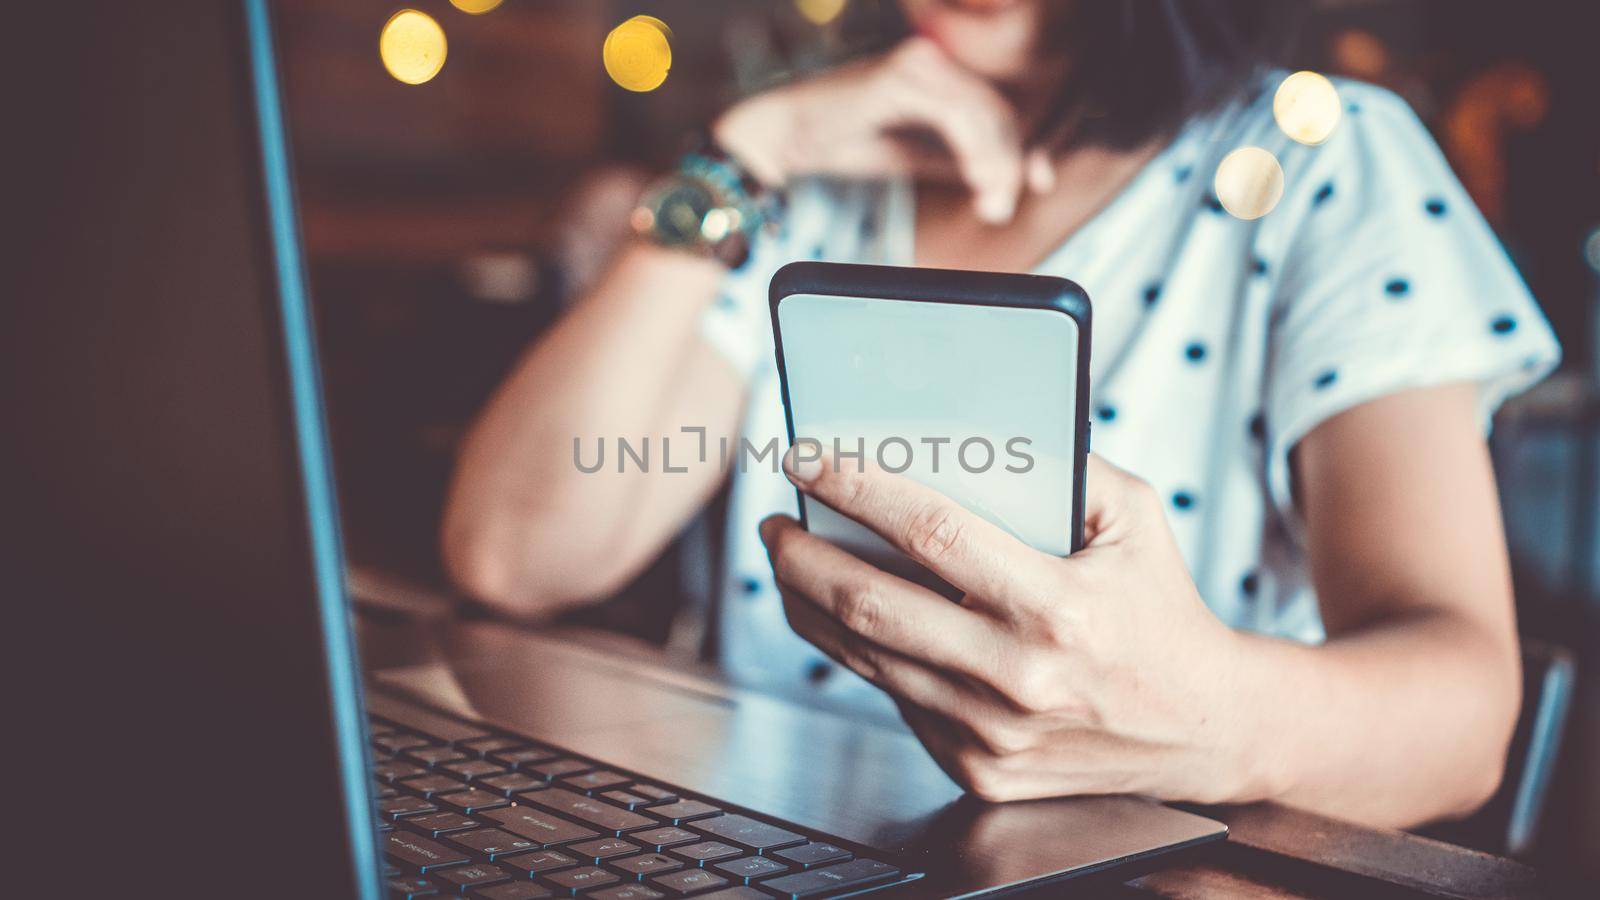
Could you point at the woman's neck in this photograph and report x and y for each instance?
(946, 234)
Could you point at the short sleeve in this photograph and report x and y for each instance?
(1390, 280)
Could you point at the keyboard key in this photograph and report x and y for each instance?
(735, 893)
(750, 868)
(582, 878)
(627, 892)
(488, 745)
(814, 854)
(441, 823)
(538, 863)
(626, 799)
(428, 785)
(475, 875)
(646, 864)
(471, 801)
(510, 783)
(492, 842)
(684, 811)
(688, 881)
(603, 849)
(396, 807)
(419, 852)
(432, 756)
(382, 825)
(517, 757)
(853, 874)
(516, 890)
(747, 832)
(539, 826)
(395, 769)
(384, 792)
(550, 770)
(405, 887)
(662, 838)
(594, 782)
(654, 793)
(395, 742)
(473, 769)
(588, 810)
(705, 851)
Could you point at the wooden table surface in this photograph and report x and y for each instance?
(1272, 851)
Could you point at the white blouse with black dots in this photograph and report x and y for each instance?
(1218, 343)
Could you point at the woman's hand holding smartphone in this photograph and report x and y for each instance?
(1101, 672)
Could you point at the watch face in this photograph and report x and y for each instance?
(680, 210)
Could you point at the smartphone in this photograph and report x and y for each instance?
(975, 384)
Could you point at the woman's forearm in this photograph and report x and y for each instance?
(524, 527)
(1404, 722)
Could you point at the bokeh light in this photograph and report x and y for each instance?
(716, 224)
(1307, 107)
(476, 7)
(820, 12)
(412, 46)
(660, 25)
(638, 53)
(1249, 182)
(1591, 249)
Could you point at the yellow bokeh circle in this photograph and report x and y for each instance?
(638, 53)
(657, 24)
(820, 12)
(476, 7)
(1249, 182)
(1307, 107)
(412, 46)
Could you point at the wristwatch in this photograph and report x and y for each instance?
(709, 205)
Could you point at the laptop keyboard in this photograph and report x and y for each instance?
(465, 810)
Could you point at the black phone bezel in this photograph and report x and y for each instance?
(1011, 290)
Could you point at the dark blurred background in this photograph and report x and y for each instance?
(448, 222)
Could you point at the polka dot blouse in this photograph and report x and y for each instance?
(1218, 344)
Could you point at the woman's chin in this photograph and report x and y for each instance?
(999, 47)
(999, 69)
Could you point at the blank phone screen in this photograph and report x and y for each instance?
(977, 402)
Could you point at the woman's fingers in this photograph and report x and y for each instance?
(975, 122)
(969, 707)
(959, 546)
(856, 121)
(903, 153)
(1041, 171)
(877, 607)
(901, 676)
(1116, 502)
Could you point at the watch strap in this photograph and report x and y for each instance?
(734, 209)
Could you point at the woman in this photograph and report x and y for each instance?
(1302, 596)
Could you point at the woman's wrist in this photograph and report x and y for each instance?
(1258, 756)
(751, 132)
(711, 206)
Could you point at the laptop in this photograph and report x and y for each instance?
(189, 705)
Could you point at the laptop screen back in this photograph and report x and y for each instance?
(188, 678)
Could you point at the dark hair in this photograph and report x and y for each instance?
(1141, 68)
